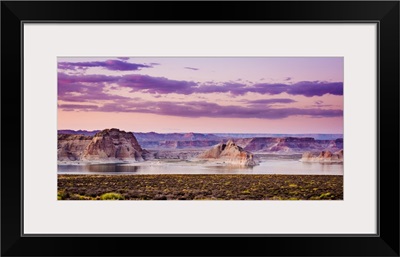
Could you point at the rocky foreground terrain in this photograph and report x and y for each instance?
(200, 187)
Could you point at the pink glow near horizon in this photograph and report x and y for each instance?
(209, 95)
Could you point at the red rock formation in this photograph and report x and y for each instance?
(229, 153)
(106, 145)
(113, 144)
(324, 156)
(288, 144)
(71, 147)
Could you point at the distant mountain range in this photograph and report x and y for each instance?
(264, 143)
(252, 135)
(289, 145)
(77, 132)
(153, 136)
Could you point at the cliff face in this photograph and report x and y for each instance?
(288, 144)
(170, 141)
(324, 156)
(229, 153)
(173, 144)
(71, 147)
(106, 145)
(113, 144)
(154, 137)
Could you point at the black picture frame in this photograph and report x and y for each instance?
(383, 13)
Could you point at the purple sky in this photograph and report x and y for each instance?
(210, 95)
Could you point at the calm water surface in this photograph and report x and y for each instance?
(273, 166)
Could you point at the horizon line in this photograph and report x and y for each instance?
(187, 132)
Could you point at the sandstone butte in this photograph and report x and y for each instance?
(229, 153)
(106, 145)
(324, 156)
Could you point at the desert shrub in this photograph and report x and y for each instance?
(111, 196)
(61, 195)
(325, 196)
(80, 197)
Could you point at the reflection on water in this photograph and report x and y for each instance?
(112, 168)
(297, 167)
(270, 166)
(98, 168)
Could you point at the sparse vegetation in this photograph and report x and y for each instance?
(200, 187)
(61, 195)
(111, 196)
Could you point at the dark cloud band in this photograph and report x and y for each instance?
(191, 68)
(161, 85)
(115, 65)
(197, 109)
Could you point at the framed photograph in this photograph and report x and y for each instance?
(271, 125)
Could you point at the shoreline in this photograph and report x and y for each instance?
(193, 161)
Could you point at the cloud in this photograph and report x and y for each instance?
(115, 65)
(123, 58)
(319, 104)
(272, 101)
(308, 88)
(305, 88)
(190, 68)
(81, 107)
(161, 85)
(197, 109)
(84, 88)
(91, 97)
(156, 85)
(288, 79)
(67, 79)
(229, 87)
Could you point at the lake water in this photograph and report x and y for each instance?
(273, 166)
